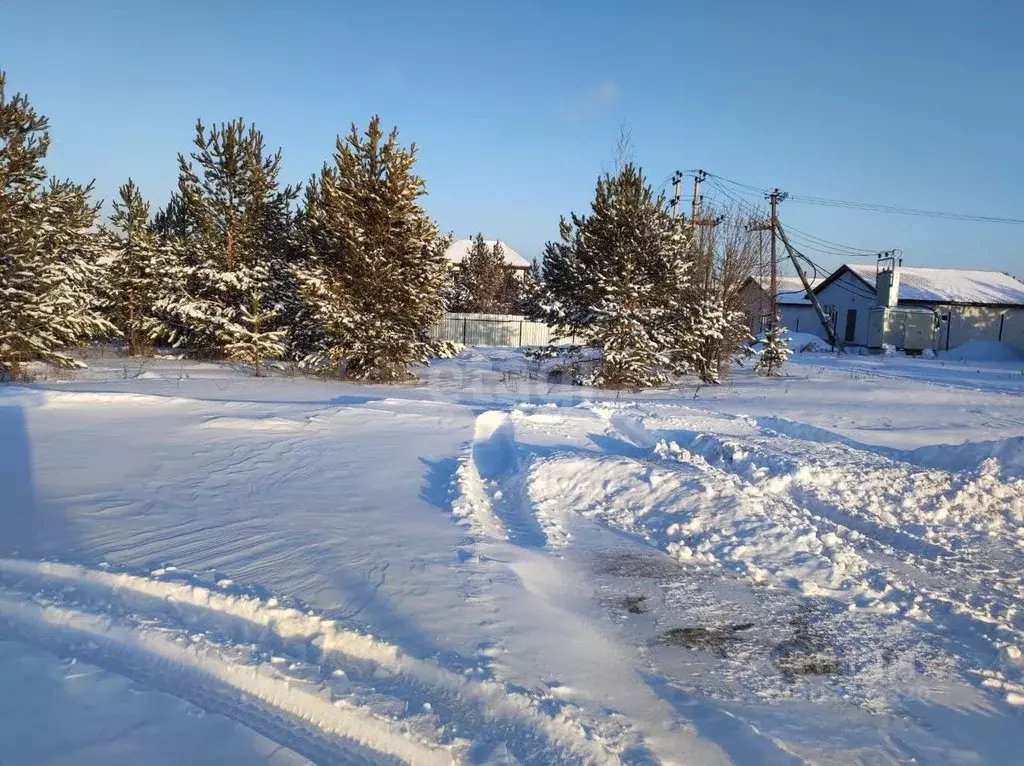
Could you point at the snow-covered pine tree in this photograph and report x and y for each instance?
(233, 220)
(699, 327)
(249, 340)
(482, 278)
(305, 335)
(49, 248)
(378, 264)
(617, 276)
(775, 351)
(711, 319)
(170, 222)
(564, 298)
(136, 270)
(530, 292)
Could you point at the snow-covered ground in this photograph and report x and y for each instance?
(197, 566)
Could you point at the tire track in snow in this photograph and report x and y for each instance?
(357, 669)
(291, 717)
(493, 499)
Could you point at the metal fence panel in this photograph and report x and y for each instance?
(494, 330)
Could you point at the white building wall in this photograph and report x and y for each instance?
(968, 323)
(846, 294)
(800, 318)
(1013, 328)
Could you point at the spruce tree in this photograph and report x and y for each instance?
(617, 277)
(49, 247)
(233, 221)
(775, 351)
(377, 262)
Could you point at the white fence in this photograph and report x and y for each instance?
(494, 330)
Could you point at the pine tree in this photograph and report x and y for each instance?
(49, 247)
(136, 270)
(248, 340)
(701, 326)
(531, 292)
(617, 277)
(775, 351)
(233, 222)
(377, 262)
(482, 280)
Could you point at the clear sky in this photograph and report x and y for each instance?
(516, 105)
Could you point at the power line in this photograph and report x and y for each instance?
(878, 207)
(754, 189)
(893, 209)
(808, 240)
(826, 245)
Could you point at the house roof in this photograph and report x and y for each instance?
(791, 289)
(459, 249)
(963, 286)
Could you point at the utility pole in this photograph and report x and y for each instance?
(775, 197)
(677, 191)
(698, 178)
(698, 202)
(825, 322)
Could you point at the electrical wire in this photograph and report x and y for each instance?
(825, 246)
(804, 239)
(875, 207)
(896, 210)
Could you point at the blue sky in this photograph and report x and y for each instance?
(516, 106)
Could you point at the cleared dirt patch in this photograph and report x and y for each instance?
(634, 604)
(716, 640)
(809, 651)
(633, 564)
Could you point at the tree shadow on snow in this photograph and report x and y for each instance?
(19, 524)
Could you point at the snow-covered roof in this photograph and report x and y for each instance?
(791, 289)
(950, 285)
(459, 249)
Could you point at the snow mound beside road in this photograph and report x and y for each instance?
(971, 455)
(983, 351)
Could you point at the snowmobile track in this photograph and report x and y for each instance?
(332, 663)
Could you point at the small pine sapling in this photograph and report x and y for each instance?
(249, 341)
(775, 352)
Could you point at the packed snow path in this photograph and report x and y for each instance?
(488, 569)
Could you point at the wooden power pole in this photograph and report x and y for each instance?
(775, 228)
(811, 296)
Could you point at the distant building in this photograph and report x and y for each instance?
(459, 249)
(795, 310)
(966, 304)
